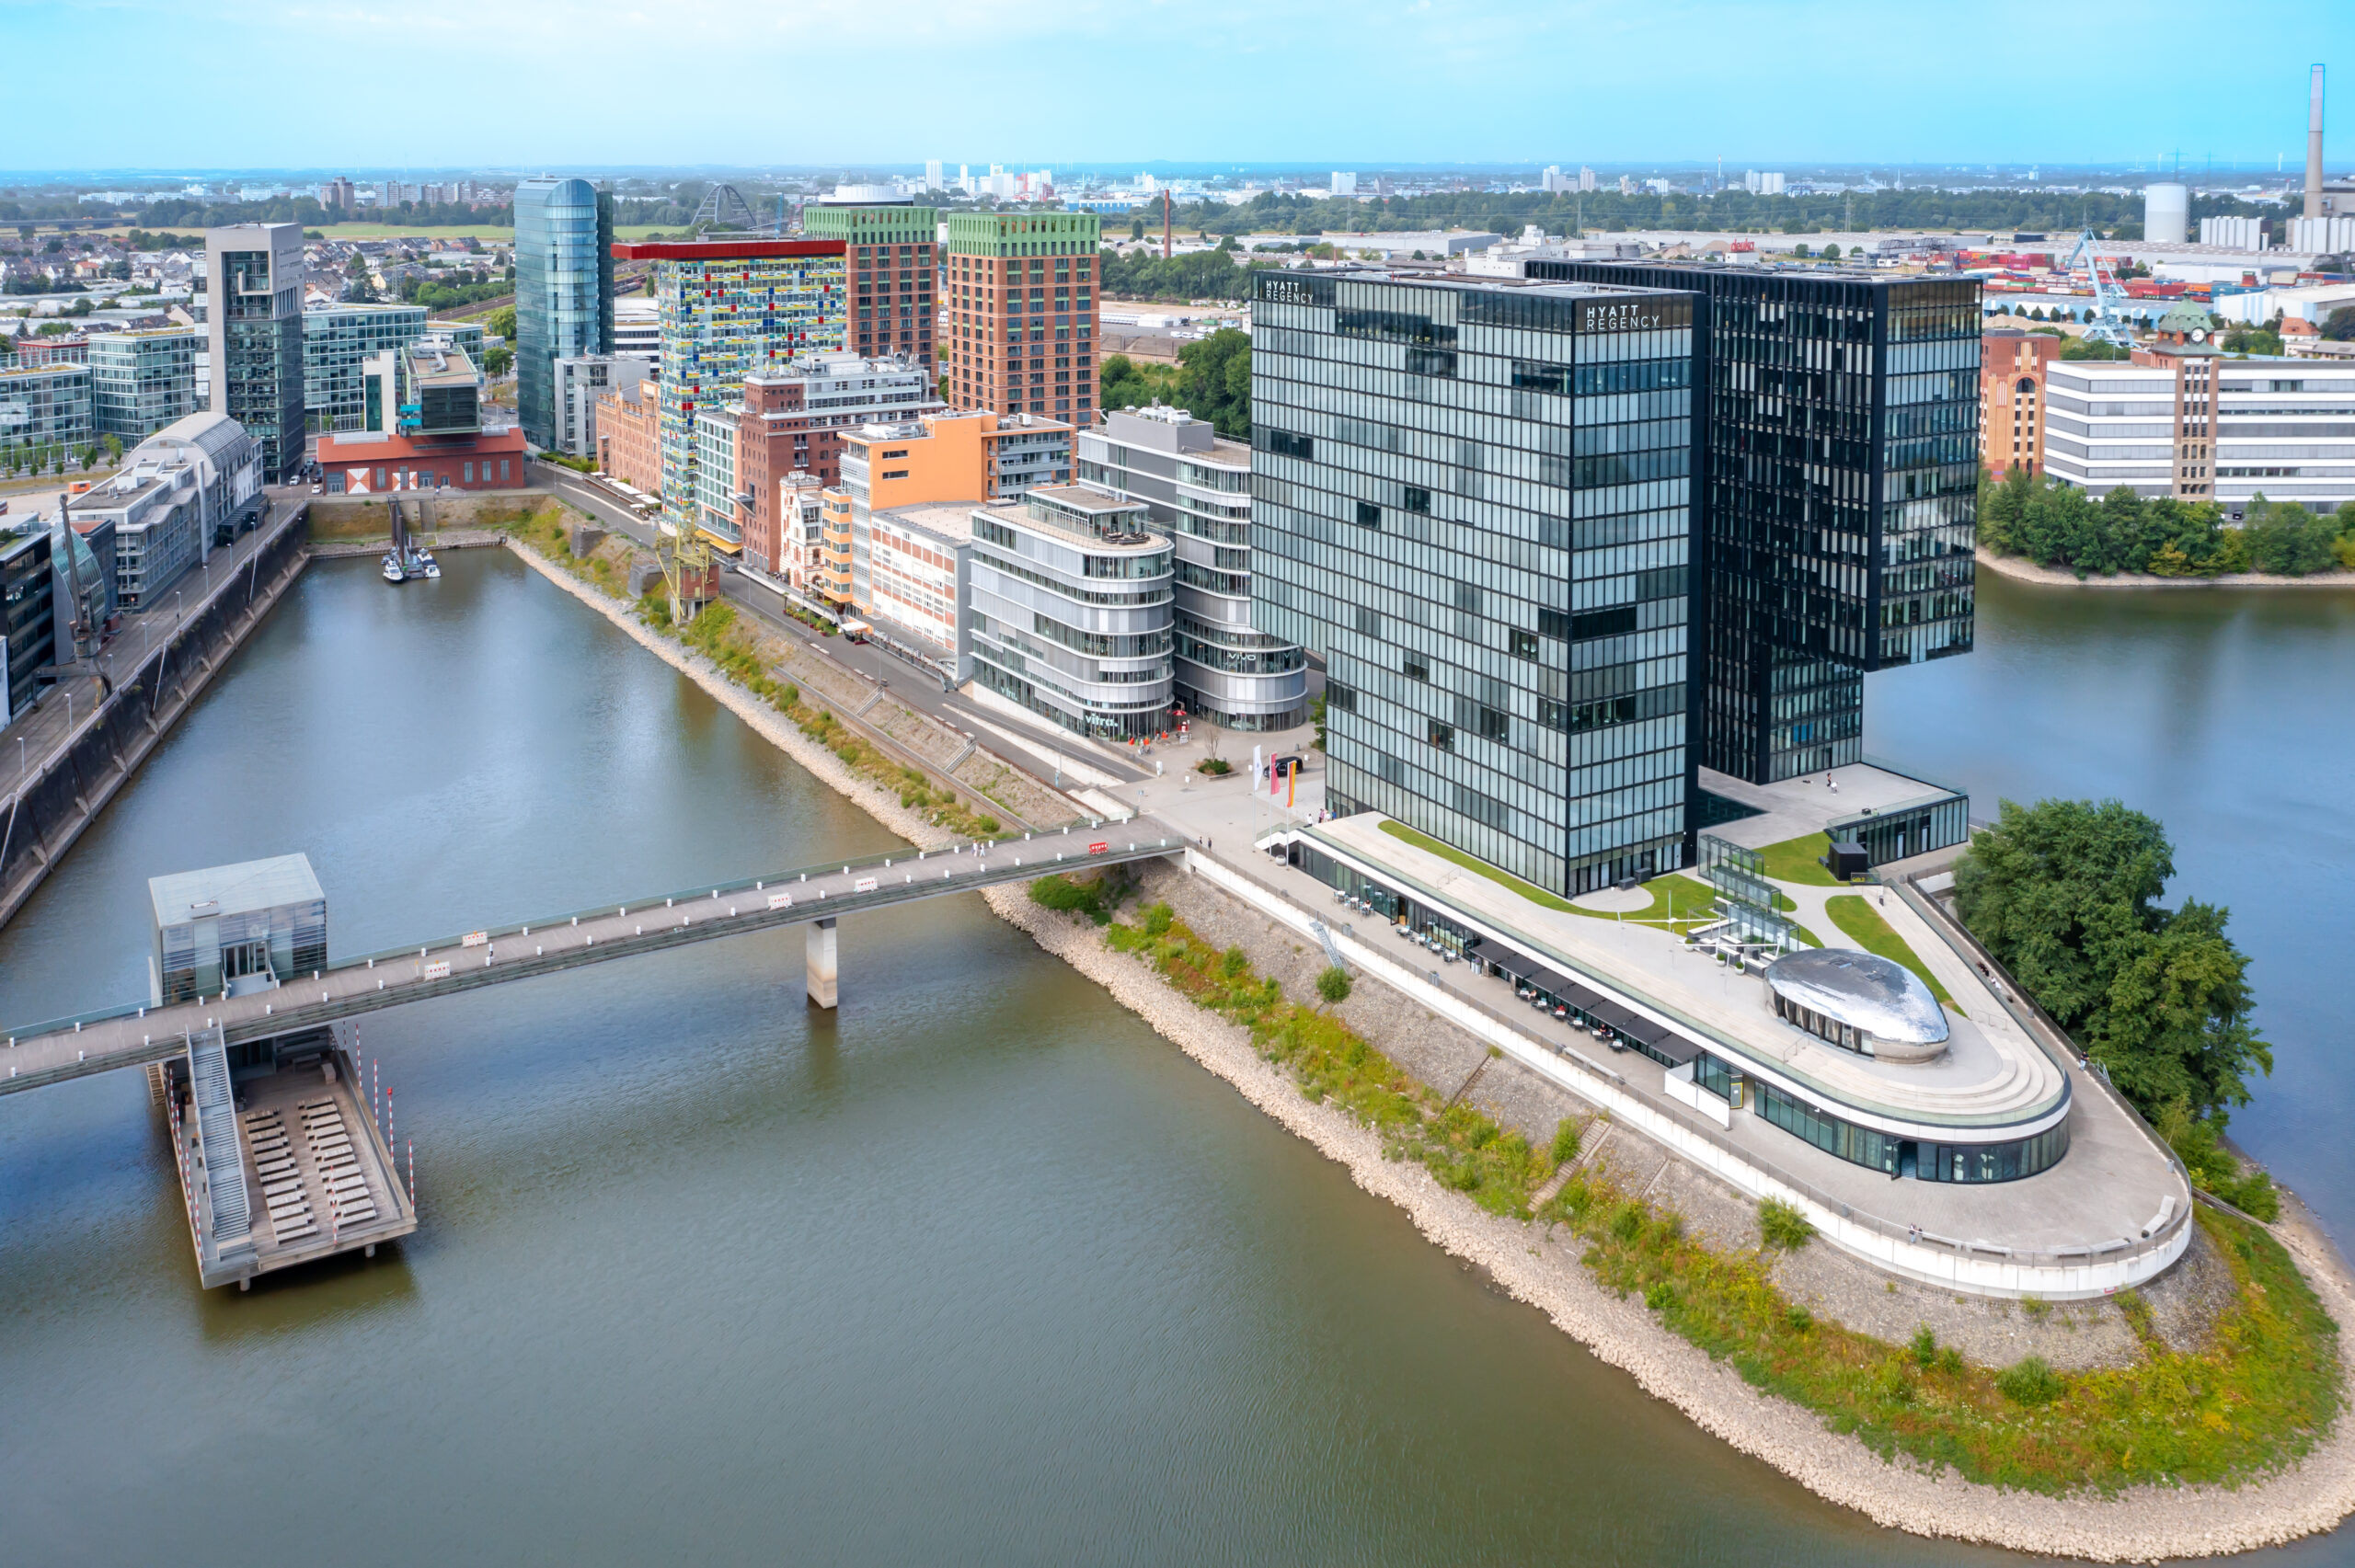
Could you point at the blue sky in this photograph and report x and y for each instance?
(504, 83)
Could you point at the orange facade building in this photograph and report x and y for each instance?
(1020, 293)
(2011, 395)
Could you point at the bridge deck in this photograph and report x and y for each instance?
(134, 1036)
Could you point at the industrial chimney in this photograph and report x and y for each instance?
(2313, 148)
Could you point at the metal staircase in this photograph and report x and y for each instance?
(217, 1143)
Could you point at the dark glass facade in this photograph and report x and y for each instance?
(1837, 519)
(564, 291)
(1474, 502)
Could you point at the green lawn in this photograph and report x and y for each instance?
(1678, 902)
(1529, 890)
(1855, 915)
(1796, 859)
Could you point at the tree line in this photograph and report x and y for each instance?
(1211, 380)
(182, 211)
(2055, 524)
(2065, 894)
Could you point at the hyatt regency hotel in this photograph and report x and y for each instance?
(1565, 542)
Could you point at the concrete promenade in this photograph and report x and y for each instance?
(55, 1050)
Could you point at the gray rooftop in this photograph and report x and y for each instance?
(249, 885)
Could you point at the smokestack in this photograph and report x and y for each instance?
(2313, 148)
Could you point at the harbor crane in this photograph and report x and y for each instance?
(2109, 324)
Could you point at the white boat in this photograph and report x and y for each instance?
(422, 563)
(393, 572)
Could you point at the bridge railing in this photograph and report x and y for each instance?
(900, 856)
(848, 864)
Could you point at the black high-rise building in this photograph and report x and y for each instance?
(1838, 513)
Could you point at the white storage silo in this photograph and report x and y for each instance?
(2166, 212)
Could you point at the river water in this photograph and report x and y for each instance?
(979, 1269)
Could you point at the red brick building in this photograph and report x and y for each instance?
(629, 436)
(373, 462)
(792, 420)
(2011, 396)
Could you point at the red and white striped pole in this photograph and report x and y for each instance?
(412, 1177)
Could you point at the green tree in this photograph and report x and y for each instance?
(2065, 894)
(113, 444)
(496, 362)
(502, 321)
(2284, 538)
(1125, 383)
(1136, 228)
(1215, 382)
(1333, 985)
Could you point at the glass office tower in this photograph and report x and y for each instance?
(1473, 500)
(253, 324)
(564, 291)
(1840, 510)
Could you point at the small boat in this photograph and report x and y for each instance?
(422, 563)
(393, 572)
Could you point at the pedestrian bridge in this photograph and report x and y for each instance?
(56, 1049)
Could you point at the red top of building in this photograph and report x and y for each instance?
(718, 249)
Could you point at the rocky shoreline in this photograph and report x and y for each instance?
(2020, 570)
(1540, 1265)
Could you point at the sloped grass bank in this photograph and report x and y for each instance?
(2249, 1403)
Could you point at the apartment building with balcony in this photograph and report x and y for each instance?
(1070, 610)
(338, 342)
(791, 419)
(45, 405)
(1197, 485)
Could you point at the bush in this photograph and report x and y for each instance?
(2030, 1382)
(1056, 891)
(1333, 985)
(1923, 1346)
(1156, 919)
(1782, 1225)
(1214, 766)
(1566, 1141)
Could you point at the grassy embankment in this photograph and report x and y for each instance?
(743, 656)
(2254, 1396)
(1465, 1151)
(1800, 860)
(2249, 1399)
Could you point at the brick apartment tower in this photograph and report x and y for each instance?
(1021, 288)
(891, 256)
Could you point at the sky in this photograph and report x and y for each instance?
(549, 83)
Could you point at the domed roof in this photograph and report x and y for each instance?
(1884, 998)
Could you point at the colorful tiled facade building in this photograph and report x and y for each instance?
(730, 308)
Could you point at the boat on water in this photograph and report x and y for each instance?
(393, 570)
(422, 563)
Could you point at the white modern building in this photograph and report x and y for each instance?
(2284, 426)
(1197, 485)
(638, 329)
(2233, 234)
(579, 382)
(181, 492)
(1070, 611)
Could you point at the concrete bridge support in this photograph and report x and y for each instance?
(822, 962)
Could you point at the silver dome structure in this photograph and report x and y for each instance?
(1859, 1002)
